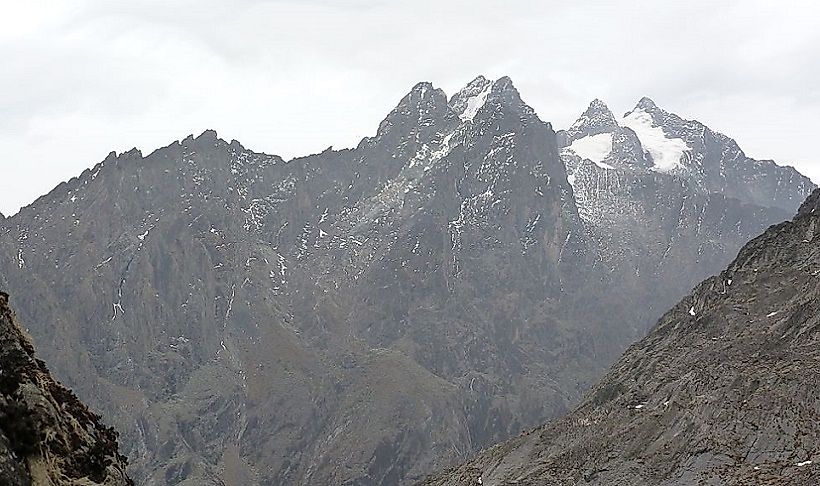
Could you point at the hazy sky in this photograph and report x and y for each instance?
(291, 77)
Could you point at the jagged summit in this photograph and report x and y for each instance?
(649, 138)
(469, 99)
(423, 104)
(477, 84)
(646, 103)
(505, 83)
(208, 134)
(596, 119)
(424, 90)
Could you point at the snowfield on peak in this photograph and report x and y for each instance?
(666, 152)
(595, 148)
(475, 102)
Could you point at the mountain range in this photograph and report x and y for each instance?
(370, 315)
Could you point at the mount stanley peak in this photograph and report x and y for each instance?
(369, 315)
(668, 200)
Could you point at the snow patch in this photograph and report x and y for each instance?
(475, 102)
(666, 152)
(692, 311)
(804, 463)
(594, 148)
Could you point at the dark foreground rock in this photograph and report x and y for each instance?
(47, 436)
(724, 391)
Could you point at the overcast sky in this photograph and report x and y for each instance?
(292, 77)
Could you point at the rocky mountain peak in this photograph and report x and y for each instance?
(505, 83)
(505, 92)
(470, 99)
(418, 112)
(646, 104)
(481, 92)
(209, 135)
(596, 119)
(474, 86)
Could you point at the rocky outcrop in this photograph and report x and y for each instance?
(811, 205)
(724, 390)
(47, 436)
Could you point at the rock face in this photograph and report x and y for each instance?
(724, 390)
(47, 436)
(356, 317)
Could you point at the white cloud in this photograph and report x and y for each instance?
(291, 77)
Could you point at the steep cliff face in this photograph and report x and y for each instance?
(47, 436)
(360, 316)
(724, 390)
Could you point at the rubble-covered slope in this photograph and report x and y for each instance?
(47, 436)
(725, 390)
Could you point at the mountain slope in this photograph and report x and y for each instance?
(724, 390)
(47, 436)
